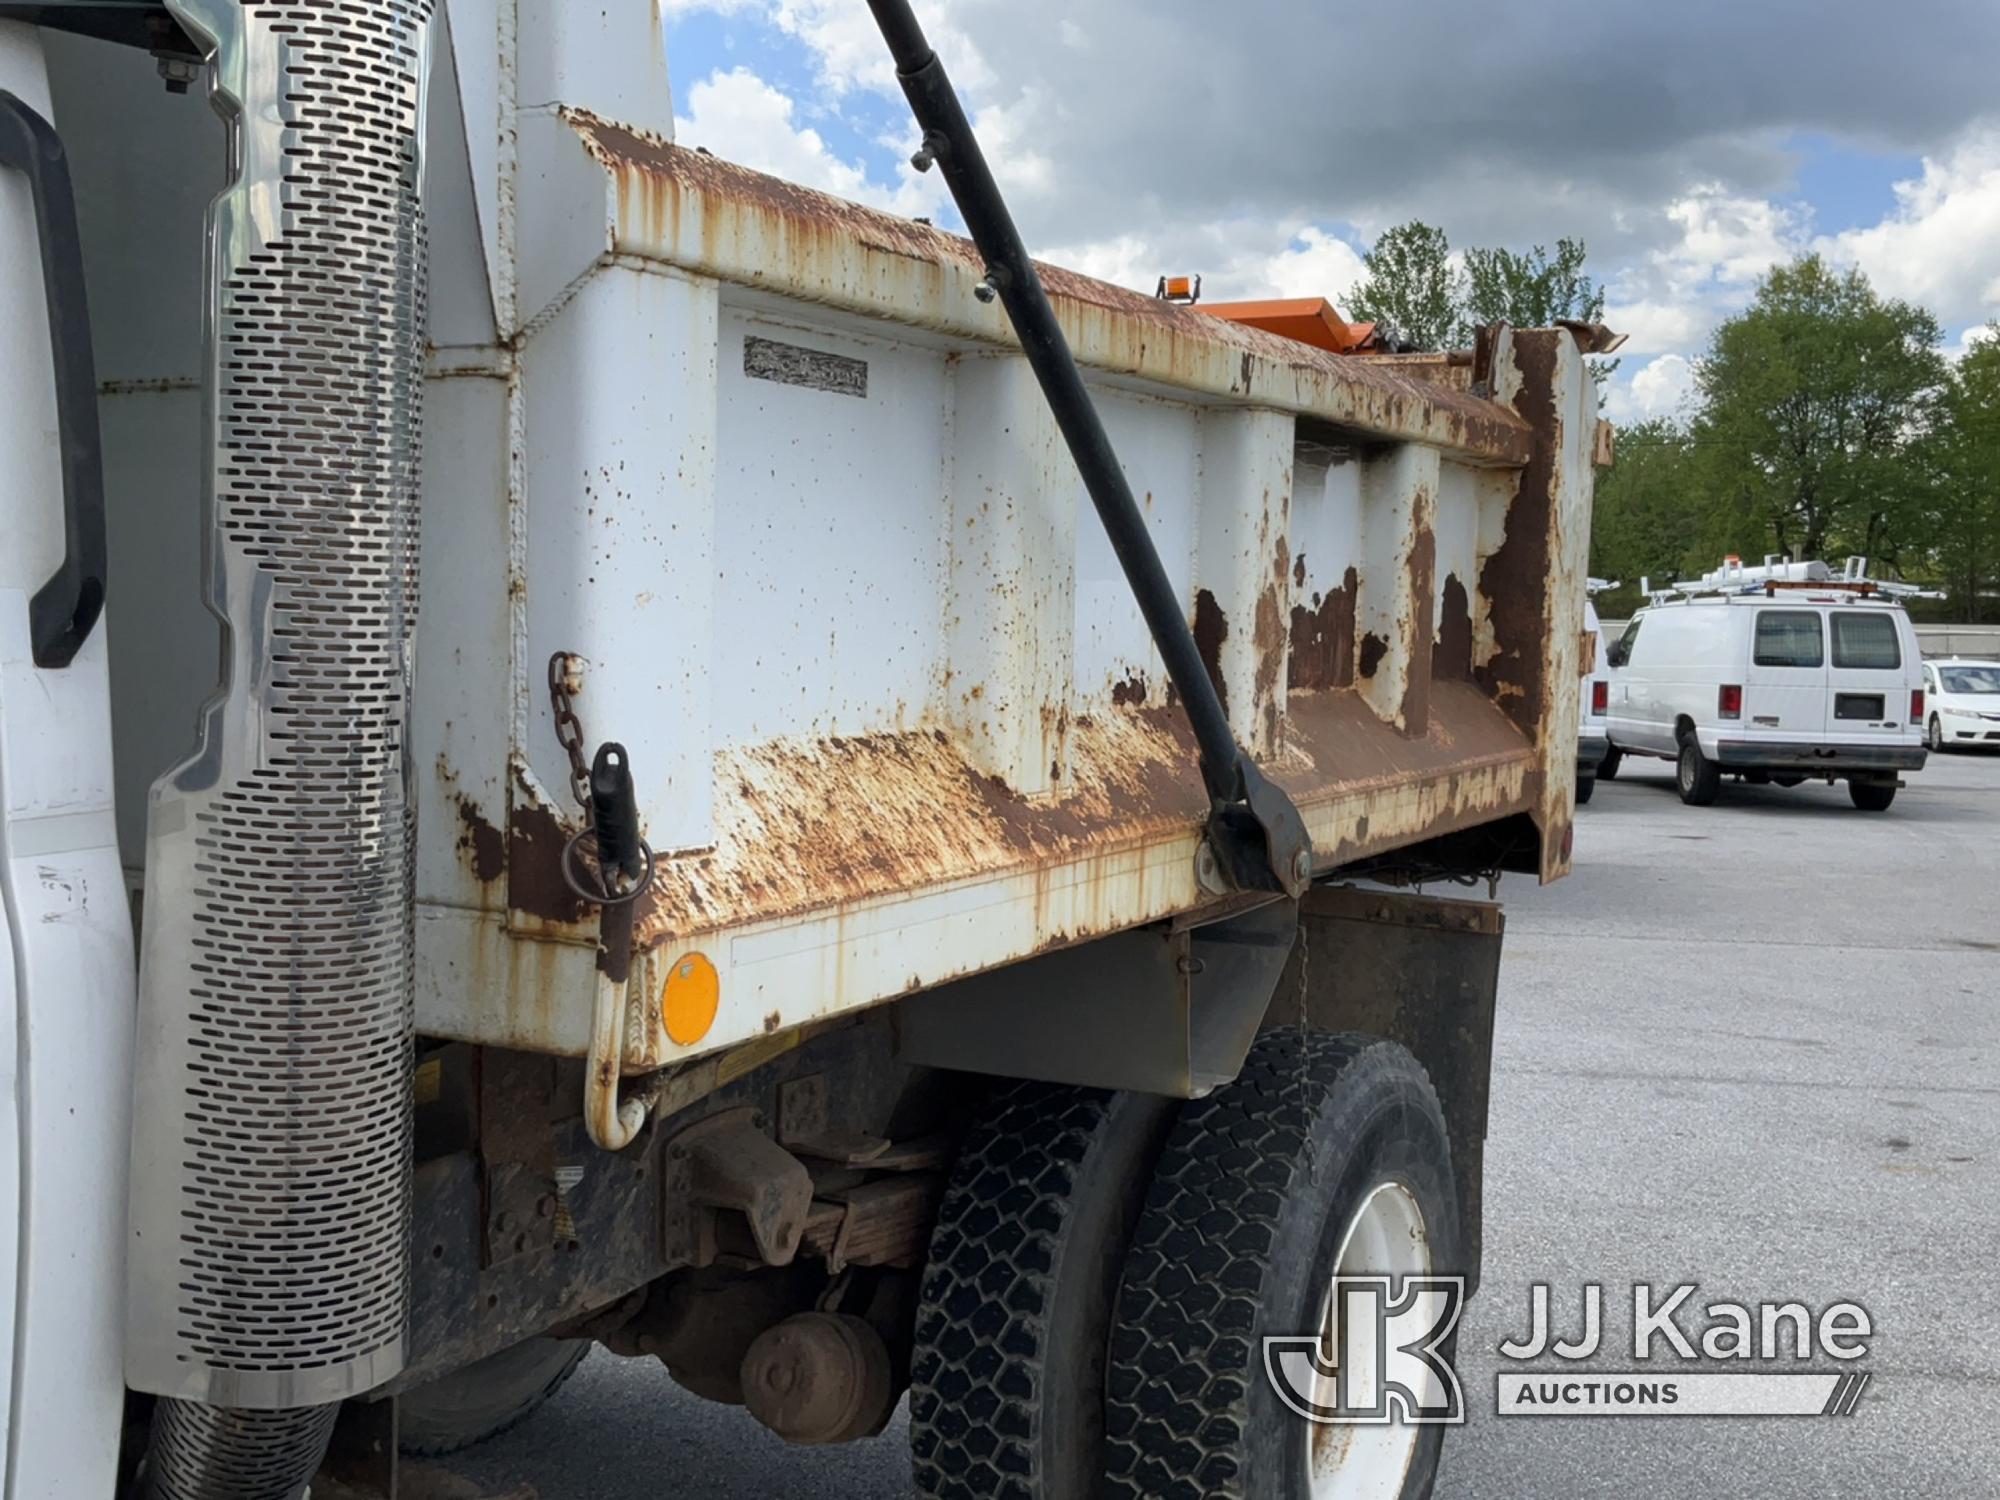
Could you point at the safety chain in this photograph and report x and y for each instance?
(569, 734)
(569, 730)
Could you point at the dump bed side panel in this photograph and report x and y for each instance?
(795, 501)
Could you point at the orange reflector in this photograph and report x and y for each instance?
(689, 998)
(1180, 286)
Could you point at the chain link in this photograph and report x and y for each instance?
(569, 729)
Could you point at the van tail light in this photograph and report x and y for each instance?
(1729, 701)
(1916, 705)
(1600, 697)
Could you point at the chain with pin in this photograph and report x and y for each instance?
(624, 877)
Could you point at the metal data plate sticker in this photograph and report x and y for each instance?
(793, 364)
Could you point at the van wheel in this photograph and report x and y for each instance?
(1934, 735)
(1327, 1154)
(1014, 1313)
(1607, 769)
(486, 1398)
(1872, 796)
(1699, 778)
(1585, 785)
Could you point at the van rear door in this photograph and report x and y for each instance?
(1785, 689)
(1870, 676)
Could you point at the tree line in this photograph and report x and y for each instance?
(1826, 420)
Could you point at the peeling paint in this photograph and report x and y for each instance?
(1323, 639)
(1211, 629)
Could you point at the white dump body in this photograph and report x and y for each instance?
(765, 466)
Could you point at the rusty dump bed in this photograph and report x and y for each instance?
(760, 461)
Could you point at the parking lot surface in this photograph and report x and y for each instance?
(1754, 1046)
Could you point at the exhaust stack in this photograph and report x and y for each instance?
(268, 1274)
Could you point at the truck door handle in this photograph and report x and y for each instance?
(63, 611)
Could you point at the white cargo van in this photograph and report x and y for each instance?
(1591, 741)
(1775, 675)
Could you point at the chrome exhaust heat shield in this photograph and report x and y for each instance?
(270, 1201)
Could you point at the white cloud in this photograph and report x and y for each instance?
(1940, 246)
(743, 119)
(1669, 299)
(1314, 264)
(1660, 388)
(849, 48)
(1236, 261)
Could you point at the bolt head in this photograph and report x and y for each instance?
(985, 291)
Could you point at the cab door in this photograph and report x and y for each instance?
(67, 974)
(1785, 685)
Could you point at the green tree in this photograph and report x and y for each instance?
(1533, 290)
(1413, 291)
(1816, 403)
(1965, 509)
(1647, 521)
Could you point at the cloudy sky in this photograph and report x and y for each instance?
(1690, 144)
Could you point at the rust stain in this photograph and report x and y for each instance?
(822, 823)
(1373, 649)
(1299, 571)
(1211, 629)
(1268, 637)
(535, 885)
(1512, 580)
(1323, 639)
(480, 843)
(721, 219)
(1419, 578)
(1130, 693)
(1452, 656)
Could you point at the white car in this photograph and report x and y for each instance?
(1776, 680)
(1964, 699)
(1591, 743)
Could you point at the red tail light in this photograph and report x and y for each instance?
(1729, 701)
(1916, 705)
(1600, 697)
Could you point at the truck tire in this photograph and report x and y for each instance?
(485, 1398)
(1871, 796)
(1585, 785)
(1697, 777)
(1014, 1313)
(1253, 1206)
(1607, 769)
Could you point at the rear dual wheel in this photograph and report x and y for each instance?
(1327, 1152)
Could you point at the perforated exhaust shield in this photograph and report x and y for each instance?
(271, 1160)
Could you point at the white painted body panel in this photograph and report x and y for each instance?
(66, 963)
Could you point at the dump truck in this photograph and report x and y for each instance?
(599, 750)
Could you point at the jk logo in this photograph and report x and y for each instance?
(1379, 1356)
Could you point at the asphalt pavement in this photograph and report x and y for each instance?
(1754, 1046)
